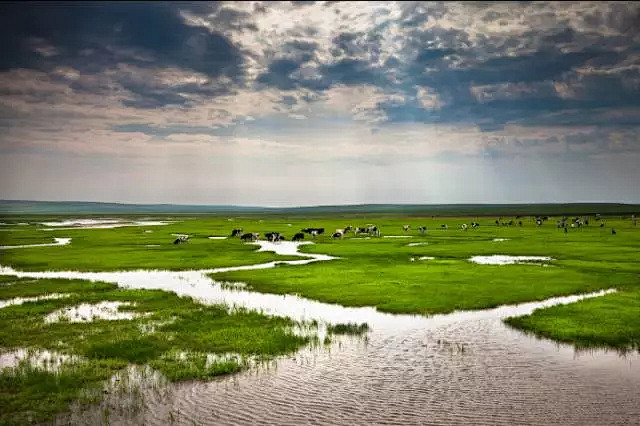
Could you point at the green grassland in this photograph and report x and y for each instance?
(383, 272)
(128, 248)
(171, 325)
(611, 321)
(380, 271)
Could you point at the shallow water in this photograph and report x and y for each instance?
(21, 300)
(40, 359)
(87, 312)
(465, 367)
(58, 242)
(502, 259)
(100, 224)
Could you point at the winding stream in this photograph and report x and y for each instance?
(465, 367)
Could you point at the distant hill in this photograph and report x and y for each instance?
(81, 207)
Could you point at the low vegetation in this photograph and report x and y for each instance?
(174, 338)
(348, 328)
(609, 321)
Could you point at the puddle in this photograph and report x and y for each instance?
(397, 236)
(217, 238)
(416, 244)
(41, 359)
(58, 242)
(152, 245)
(426, 258)
(502, 259)
(21, 300)
(100, 223)
(91, 312)
(501, 239)
(360, 238)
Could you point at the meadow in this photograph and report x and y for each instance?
(406, 272)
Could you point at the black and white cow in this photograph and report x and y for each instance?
(250, 236)
(422, 229)
(297, 237)
(405, 228)
(272, 236)
(236, 232)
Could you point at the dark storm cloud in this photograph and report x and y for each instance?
(585, 66)
(93, 37)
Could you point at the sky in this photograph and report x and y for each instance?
(315, 103)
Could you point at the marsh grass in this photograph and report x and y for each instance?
(173, 324)
(348, 328)
(611, 321)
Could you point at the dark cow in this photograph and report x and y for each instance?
(613, 231)
(348, 228)
(337, 235)
(236, 232)
(250, 236)
(313, 231)
(602, 225)
(272, 236)
(566, 230)
(299, 236)
(422, 229)
(181, 239)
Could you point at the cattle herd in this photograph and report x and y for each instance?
(374, 231)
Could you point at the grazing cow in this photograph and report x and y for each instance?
(566, 230)
(348, 228)
(422, 229)
(497, 223)
(272, 236)
(538, 222)
(337, 235)
(475, 224)
(519, 223)
(445, 226)
(181, 239)
(613, 231)
(236, 232)
(250, 236)
(405, 228)
(464, 226)
(373, 230)
(602, 225)
(299, 236)
(313, 231)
